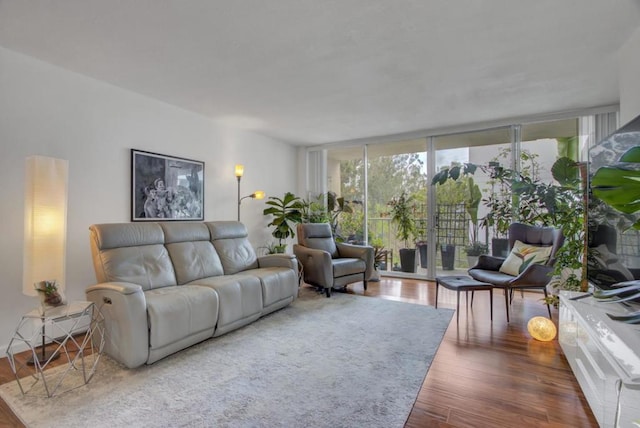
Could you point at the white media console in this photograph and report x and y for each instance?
(604, 356)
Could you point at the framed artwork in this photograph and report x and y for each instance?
(165, 188)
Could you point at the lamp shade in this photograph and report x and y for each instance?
(542, 329)
(259, 194)
(45, 222)
(239, 170)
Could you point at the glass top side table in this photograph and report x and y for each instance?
(76, 333)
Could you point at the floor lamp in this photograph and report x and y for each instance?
(258, 194)
(45, 228)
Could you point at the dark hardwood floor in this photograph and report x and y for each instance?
(484, 374)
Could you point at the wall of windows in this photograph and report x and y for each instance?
(454, 216)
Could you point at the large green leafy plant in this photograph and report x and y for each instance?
(560, 204)
(402, 217)
(619, 185)
(286, 212)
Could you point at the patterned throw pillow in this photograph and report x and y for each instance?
(522, 255)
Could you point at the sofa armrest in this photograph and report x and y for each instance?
(317, 266)
(363, 252)
(124, 308)
(486, 262)
(280, 260)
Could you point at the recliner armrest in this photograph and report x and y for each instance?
(318, 269)
(364, 252)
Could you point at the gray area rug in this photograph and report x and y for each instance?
(347, 361)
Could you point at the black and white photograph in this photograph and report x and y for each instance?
(166, 187)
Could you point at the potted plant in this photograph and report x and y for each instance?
(402, 217)
(49, 293)
(474, 250)
(286, 212)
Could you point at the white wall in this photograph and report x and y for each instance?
(630, 78)
(49, 111)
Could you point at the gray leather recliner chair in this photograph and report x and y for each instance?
(535, 276)
(328, 264)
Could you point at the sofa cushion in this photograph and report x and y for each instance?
(194, 260)
(178, 312)
(276, 283)
(240, 299)
(191, 251)
(131, 252)
(148, 266)
(231, 242)
(522, 255)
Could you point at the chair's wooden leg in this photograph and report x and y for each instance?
(472, 293)
(491, 302)
(365, 285)
(437, 286)
(546, 299)
(506, 303)
(328, 292)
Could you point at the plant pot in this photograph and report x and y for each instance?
(448, 256)
(408, 259)
(422, 249)
(280, 249)
(472, 261)
(375, 276)
(500, 247)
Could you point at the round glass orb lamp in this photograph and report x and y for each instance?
(542, 328)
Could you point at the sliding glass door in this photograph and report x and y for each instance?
(451, 222)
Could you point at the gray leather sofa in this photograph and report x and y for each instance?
(165, 286)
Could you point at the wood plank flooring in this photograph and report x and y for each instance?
(484, 374)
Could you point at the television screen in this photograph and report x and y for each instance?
(614, 208)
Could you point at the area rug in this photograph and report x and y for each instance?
(347, 361)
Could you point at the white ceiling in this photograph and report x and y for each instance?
(316, 71)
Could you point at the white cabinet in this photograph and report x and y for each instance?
(604, 356)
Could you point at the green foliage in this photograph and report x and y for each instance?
(402, 216)
(273, 248)
(476, 248)
(619, 186)
(386, 176)
(546, 204)
(286, 212)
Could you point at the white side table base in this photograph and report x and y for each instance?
(74, 331)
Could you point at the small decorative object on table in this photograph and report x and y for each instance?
(49, 294)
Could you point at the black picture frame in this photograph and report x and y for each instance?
(166, 188)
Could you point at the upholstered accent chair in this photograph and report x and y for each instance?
(328, 264)
(529, 264)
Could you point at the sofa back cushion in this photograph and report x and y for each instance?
(131, 252)
(230, 239)
(190, 248)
